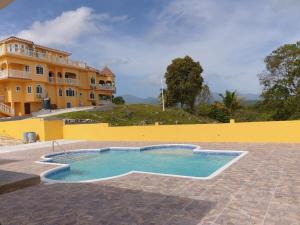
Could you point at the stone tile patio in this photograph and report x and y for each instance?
(7, 141)
(261, 188)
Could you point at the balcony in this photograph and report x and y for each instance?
(51, 80)
(107, 87)
(44, 56)
(19, 74)
(71, 81)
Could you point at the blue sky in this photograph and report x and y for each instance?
(137, 39)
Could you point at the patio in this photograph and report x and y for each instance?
(261, 188)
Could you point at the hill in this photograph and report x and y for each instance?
(137, 114)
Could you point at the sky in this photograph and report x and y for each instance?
(137, 39)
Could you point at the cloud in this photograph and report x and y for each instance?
(69, 27)
(230, 38)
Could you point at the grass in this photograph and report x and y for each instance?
(137, 114)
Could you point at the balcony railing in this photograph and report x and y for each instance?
(44, 56)
(71, 81)
(51, 79)
(6, 109)
(107, 87)
(14, 74)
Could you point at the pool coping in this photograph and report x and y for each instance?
(46, 159)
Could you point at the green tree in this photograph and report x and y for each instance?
(119, 100)
(184, 82)
(281, 82)
(230, 101)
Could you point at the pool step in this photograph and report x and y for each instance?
(67, 158)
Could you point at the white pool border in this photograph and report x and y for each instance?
(46, 159)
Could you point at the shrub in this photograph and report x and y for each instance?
(118, 100)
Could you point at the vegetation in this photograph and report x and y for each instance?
(137, 114)
(118, 100)
(281, 82)
(184, 82)
(280, 98)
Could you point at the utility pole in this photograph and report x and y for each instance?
(162, 94)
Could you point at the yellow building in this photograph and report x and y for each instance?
(31, 73)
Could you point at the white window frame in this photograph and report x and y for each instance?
(60, 92)
(40, 88)
(36, 70)
(29, 88)
(25, 68)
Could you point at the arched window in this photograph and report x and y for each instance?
(93, 80)
(39, 70)
(92, 95)
(60, 92)
(70, 92)
(59, 75)
(108, 83)
(39, 89)
(101, 83)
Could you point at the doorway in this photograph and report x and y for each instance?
(27, 108)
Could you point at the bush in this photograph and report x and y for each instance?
(118, 100)
(219, 112)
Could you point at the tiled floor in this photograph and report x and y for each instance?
(7, 141)
(261, 188)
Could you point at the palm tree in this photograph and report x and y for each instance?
(230, 101)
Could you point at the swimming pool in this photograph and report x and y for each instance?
(170, 160)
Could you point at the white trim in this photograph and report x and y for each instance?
(197, 149)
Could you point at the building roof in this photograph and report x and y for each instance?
(12, 38)
(107, 72)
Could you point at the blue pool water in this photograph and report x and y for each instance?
(171, 160)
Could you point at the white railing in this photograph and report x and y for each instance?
(44, 56)
(2, 98)
(7, 110)
(71, 81)
(51, 79)
(59, 80)
(14, 74)
(107, 87)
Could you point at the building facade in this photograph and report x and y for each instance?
(31, 73)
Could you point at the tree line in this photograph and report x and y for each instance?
(279, 100)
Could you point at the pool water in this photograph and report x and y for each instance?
(172, 161)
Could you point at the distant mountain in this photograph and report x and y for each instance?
(131, 99)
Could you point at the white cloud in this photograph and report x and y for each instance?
(69, 27)
(229, 38)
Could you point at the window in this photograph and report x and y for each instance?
(80, 94)
(92, 96)
(39, 89)
(39, 70)
(93, 80)
(29, 89)
(70, 92)
(18, 89)
(60, 92)
(27, 68)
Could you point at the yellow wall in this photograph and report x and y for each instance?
(284, 131)
(16, 129)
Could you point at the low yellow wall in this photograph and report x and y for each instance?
(45, 130)
(283, 131)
